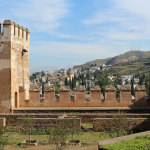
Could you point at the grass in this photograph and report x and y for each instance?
(87, 125)
(16, 138)
(142, 142)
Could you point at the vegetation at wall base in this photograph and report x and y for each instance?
(3, 137)
(142, 142)
(28, 123)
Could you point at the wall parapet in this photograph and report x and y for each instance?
(110, 88)
(64, 89)
(79, 89)
(125, 88)
(95, 88)
(49, 89)
(140, 88)
(34, 89)
(17, 30)
(80, 100)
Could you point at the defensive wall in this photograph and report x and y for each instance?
(14, 64)
(15, 95)
(80, 100)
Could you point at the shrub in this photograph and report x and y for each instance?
(142, 142)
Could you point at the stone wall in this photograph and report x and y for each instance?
(80, 101)
(14, 64)
(133, 124)
(50, 122)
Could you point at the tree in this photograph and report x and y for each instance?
(70, 83)
(28, 123)
(73, 125)
(66, 82)
(47, 80)
(3, 137)
(79, 77)
(43, 74)
(56, 89)
(74, 81)
(59, 134)
(132, 86)
(87, 75)
(40, 80)
(95, 75)
(48, 74)
(120, 126)
(43, 88)
(101, 67)
(82, 79)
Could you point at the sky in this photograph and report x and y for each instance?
(64, 33)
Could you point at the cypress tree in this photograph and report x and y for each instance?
(70, 84)
(66, 82)
(74, 81)
(82, 79)
(132, 86)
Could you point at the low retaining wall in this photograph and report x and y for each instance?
(50, 122)
(107, 124)
(85, 118)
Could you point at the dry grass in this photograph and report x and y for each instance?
(89, 137)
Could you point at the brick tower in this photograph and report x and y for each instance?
(14, 64)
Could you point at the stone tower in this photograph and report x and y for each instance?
(70, 74)
(14, 64)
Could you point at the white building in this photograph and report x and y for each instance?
(93, 69)
(89, 83)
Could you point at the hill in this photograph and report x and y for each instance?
(122, 58)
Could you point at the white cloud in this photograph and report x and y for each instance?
(61, 49)
(123, 17)
(75, 37)
(40, 15)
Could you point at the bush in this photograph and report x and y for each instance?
(142, 142)
(37, 132)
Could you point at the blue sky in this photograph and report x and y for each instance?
(65, 33)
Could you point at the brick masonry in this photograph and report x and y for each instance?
(132, 123)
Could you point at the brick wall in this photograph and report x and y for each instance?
(80, 101)
(132, 123)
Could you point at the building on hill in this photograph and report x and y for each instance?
(93, 69)
(89, 83)
(70, 74)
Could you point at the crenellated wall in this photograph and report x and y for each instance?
(140, 96)
(80, 101)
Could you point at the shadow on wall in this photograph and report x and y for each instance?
(80, 100)
(134, 124)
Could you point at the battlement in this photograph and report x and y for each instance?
(11, 28)
(80, 99)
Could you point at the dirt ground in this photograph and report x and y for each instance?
(48, 147)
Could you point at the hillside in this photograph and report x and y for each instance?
(126, 57)
(137, 67)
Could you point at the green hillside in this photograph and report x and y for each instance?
(123, 58)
